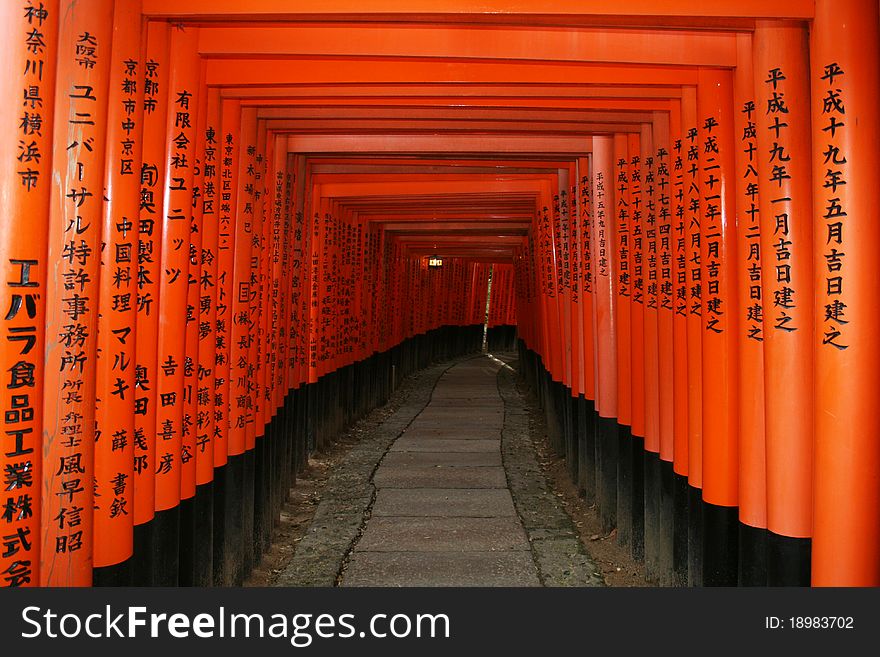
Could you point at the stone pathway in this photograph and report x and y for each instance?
(446, 492)
(443, 514)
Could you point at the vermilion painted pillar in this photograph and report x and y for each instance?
(666, 383)
(560, 369)
(256, 430)
(692, 205)
(650, 346)
(172, 454)
(587, 453)
(845, 77)
(256, 369)
(268, 348)
(277, 182)
(196, 490)
(606, 356)
(210, 438)
(229, 462)
(243, 381)
(298, 320)
(718, 279)
(556, 336)
(210, 435)
(622, 289)
(564, 269)
(546, 246)
(678, 256)
(750, 329)
(316, 220)
(72, 294)
(663, 212)
(240, 399)
(149, 253)
(782, 88)
(29, 55)
(637, 344)
(115, 371)
(578, 402)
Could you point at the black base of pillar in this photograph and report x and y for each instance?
(229, 539)
(165, 548)
(606, 472)
(141, 560)
(119, 574)
(680, 530)
(261, 501)
(203, 543)
(788, 560)
(695, 536)
(652, 517)
(638, 498)
(584, 424)
(587, 458)
(624, 487)
(558, 416)
(247, 512)
(187, 554)
(666, 530)
(720, 544)
(752, 556)
(571, 438)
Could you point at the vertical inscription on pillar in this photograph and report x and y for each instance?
(711, 195)
(831, 303)
(576, 237)
(753, 321)
(546, 236)
(692, 191)
(664, 230)
(69, 408)
(650, 223)
(586, 210)
(603, 267)
(623, 231)
(561, 202)
(24, 286)
(679, 229)
(638, 235)
(785, 297)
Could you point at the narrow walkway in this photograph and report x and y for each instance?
(443, 488)
(443, 513)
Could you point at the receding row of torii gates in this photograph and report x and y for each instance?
(191, 306)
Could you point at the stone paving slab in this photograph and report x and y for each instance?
(452, 389)
(462, 419)
(475, 404)
(432, 476)
(453, 433)
(405, 534)
(420, 444)
(456, 459)
(441, 569)
(455, 426)
(439, 502)
(467, 411)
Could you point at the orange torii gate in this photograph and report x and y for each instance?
(207, 265)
